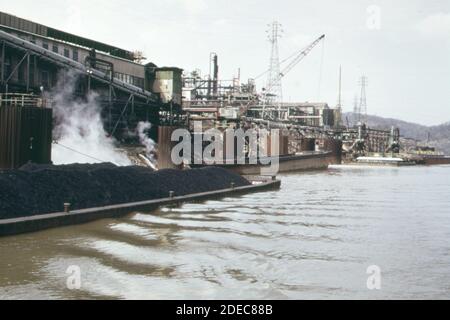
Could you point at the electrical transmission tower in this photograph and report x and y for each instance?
(362, 99)
(356, 111)
(274, 91)
(339, 105)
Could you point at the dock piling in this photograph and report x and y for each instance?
(66, 207)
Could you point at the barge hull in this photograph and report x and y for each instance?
(294, 163)
(436, 161)
(36, 223)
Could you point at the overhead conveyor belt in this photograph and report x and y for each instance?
(70, 64)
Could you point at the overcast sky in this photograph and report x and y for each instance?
(403, 48)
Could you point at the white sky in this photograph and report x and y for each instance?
(407, 60)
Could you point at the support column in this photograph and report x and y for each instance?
(35, 71)
(17, 66)
(110, 109)
(130, 99)
(3, 62)
(28, 73)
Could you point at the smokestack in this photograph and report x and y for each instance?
(216, 75)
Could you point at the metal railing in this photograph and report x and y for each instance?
(23, 100)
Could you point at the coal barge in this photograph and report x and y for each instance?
(38, 197)
(435, 160)
(426, 155)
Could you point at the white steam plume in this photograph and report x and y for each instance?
(79, 130)
(142, 129)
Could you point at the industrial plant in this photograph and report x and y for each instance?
(133, 109)
(195, 149)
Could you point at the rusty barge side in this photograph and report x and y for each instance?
(307, 161)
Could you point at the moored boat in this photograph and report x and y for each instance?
(303, 161)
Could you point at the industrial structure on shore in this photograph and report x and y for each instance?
(36, 60)
(306, 126)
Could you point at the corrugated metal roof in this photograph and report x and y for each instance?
(39, 29)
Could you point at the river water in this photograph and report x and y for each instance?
(313, 239)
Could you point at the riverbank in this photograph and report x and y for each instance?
(42, 189)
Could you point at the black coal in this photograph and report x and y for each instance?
(38, 189)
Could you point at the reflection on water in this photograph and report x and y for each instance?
(315, 238)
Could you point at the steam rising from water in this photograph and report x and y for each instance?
(79, 127)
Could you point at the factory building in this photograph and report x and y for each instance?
(35, 60)
(70, 46)
(311, 114)
(126, 66)
(302, 113)
(35, 57)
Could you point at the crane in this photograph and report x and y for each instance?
(298, 57)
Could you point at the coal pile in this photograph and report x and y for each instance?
(38, 189)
